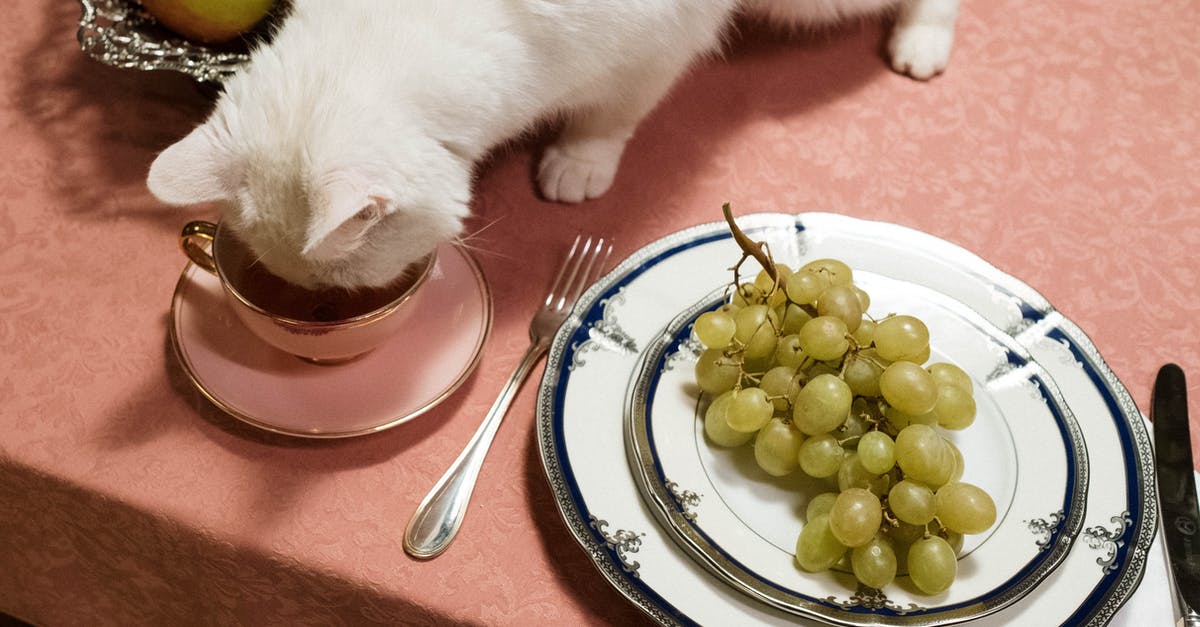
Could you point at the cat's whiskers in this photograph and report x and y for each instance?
(260, 257)
(483, 228)
(466, 241)
(485, 251)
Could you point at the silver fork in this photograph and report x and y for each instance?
(439, 516)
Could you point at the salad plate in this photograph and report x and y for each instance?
(742, 524)
(596, 355)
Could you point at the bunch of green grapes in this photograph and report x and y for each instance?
(794, 365)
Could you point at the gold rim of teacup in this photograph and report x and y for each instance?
(207, 260)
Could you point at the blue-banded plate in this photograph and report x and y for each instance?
(595, 356)
(742, 524)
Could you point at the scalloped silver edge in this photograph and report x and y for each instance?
(115, 33)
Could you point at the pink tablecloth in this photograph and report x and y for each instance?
(1062, 145)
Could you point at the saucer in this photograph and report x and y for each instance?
(426, 361)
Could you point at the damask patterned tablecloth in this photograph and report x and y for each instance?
(1062, 145)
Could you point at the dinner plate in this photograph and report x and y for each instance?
(594, 357)
(265, 387)
(742, 524)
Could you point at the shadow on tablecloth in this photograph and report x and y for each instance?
(105, 125)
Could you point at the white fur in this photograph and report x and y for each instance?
(344, 151)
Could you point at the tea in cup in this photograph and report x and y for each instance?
(327, 326)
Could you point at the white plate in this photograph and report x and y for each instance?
(595, 354)
(742, 524)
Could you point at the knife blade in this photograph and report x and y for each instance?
(1176, 486)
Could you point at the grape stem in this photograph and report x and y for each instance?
(876, 362)
(749, 247)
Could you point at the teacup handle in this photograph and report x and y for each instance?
(189, 240)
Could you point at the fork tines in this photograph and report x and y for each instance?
(591, 259)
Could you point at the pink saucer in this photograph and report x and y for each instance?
(414, 371)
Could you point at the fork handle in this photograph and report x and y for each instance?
(439, 516)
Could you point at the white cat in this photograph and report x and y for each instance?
(344, 150)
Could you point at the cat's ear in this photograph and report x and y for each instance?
(345, 207)
(189, 171)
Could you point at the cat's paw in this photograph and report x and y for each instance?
(921, 50)
(577, 171)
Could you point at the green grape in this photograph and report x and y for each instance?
(716, 427)
(762, 342)
(841, 302)
(714, 329)
(777, 447)
(855, 517)
(748, 410)
(761, 347)
(856, 423)
(853, 475)
(949, 374)
(749, 320)
(803, 288)
(817, 549)
(921, 357)
(965, 508)
(824, 338)
(865, 334)
(819, 369)
(777, 299)
(794, 316)
(819, 505)
(912, 502)
(874, 563)
(756, 326)
(864, 299)
(788, 351)
(932, 564)
(908, 387)
(954, 539)
(902, 546)
(821, 405)
(716, 373)
(959, 462)
(821, 456)
(777, 382)
(747, 294)
(901, 337)
(924, 455)
(876, 452)
(899, 419)
(862, 375)
(906, 533)
(838, 272)
(955, 407)
(763, 280)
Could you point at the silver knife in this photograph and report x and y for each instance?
(1177, 489)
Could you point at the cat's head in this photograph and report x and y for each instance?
(321, 207)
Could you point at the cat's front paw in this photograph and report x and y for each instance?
(921, 50)
(579, 170)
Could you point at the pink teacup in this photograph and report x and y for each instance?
(327, 326)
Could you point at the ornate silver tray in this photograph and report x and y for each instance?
(122, 34)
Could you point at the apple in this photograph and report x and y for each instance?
(209, 21)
